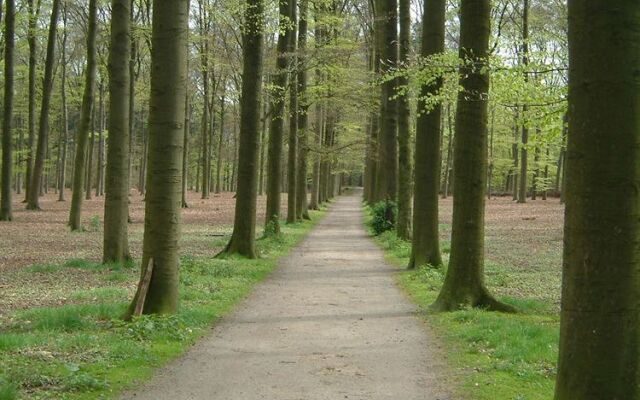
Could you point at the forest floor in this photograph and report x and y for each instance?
(329, 323)
(41, 241)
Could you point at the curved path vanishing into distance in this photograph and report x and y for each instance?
(329, 323)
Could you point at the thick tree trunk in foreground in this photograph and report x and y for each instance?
(403, 225)
(169, 77)
(464, 282)
(6, 212)
(116, 206)
(85, 121)
(33, 200)
(425, 248)
(302, 208)
(276, 128)
(243, 239)
(600, 322)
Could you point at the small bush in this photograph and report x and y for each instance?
(383, 217)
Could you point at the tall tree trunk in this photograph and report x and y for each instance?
(116, 207)
(388, 148)
(169, 77)
(90, 151)
(185, 147)
(62, 174)
(34, 12)
(403, 225)
(600, 323)
(204, 65)
(464, 282)
(524, 152)
(6, 212)
(33, 201)
(302, 208)
(425, 247)
(293, 119)
(85, 120)
(263, 143)
(223, 101)
(276, 128)
(243, 238)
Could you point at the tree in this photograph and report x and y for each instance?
(82, 134)
(116, 206)
(34, 12)
(243, 238)
(464, 281)
(302, 208)
(274, 160)
(524, 152)
(6, 213)
(600, 323)
(292, 166)
(387, 187)
(33, 200)
(425, 246)
(170, 31)
(403, 224)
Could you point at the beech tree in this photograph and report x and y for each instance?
(82, 134)
(600, 324)
(425, 246)
(33, 200)
(6, 208)
(244, 228)
(464, 282)
(160, 259)
(116, 206)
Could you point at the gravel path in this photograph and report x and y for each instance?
(330, 324)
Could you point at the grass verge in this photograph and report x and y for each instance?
(84, 351)
(495, 356)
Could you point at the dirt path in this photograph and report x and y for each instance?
(328, 324)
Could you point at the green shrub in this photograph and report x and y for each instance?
(383, 217)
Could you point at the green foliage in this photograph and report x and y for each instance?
(383, 217)
(81, 351)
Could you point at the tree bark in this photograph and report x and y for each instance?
(116, 210)
(302, 208)
(464, 282)
(524, 152)
(6, 211)
(244, 229)
(276, 128)
(64, 134)
(600, 323)
(403, 224)
(425, 247)
(169, 75)
(34, 12)
(292, 162)
(33, 200)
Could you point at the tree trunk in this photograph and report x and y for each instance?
(34, 12)
(85, 120)
(223, 102)
(116, 207)
(302, 208)
(403, 225)
(446, 186)
(524, 152)
(263, 144)
(33, 201)
(169, 77)
(185, 147)
(62, 173)
(276, 128)
(293, 119)
(388, 149)
(6, 212)
(244, 229)
(425, 247)
(464, 282)
(600, 323)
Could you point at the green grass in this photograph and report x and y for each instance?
(85, 351)
(500, 356)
